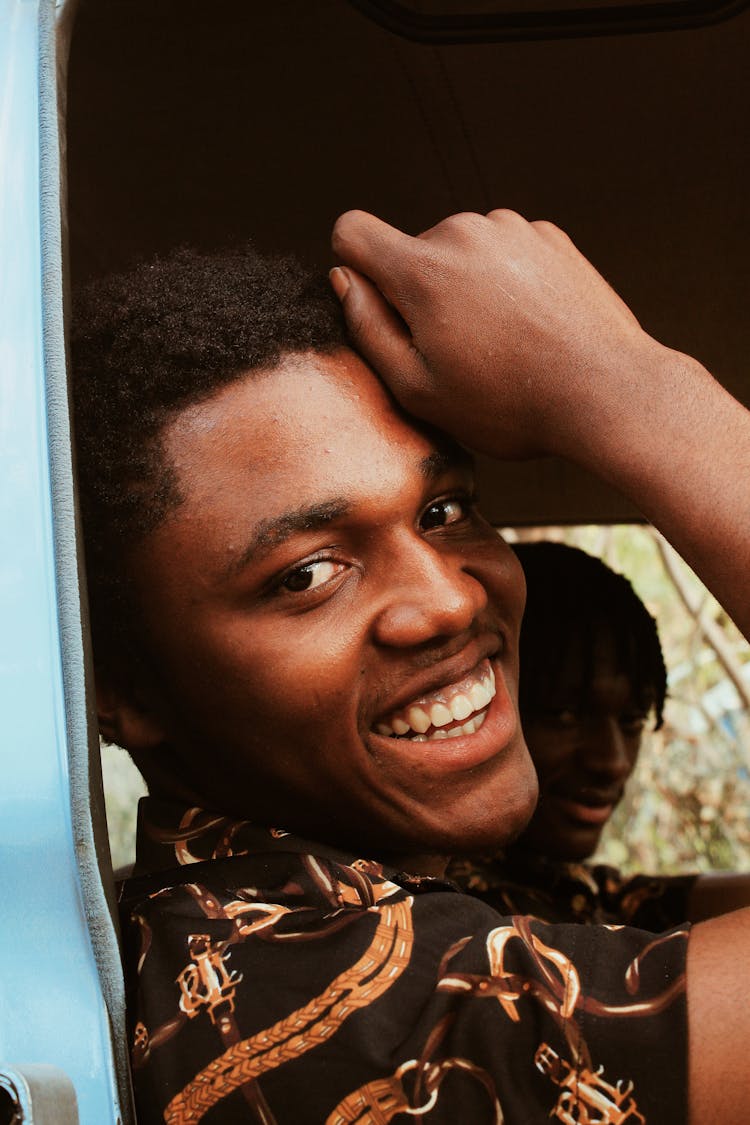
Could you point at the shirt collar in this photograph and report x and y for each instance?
(171, 834)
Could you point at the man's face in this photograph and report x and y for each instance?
(325, 592)
(584, 744)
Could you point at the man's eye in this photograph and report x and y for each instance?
(566, 717)
(309, 576)
(441, 513)
(632, 724)
(560, 718)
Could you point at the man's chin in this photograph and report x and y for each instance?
(493, 818)
(464, 829)
(569, 847)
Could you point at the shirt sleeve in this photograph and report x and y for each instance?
(650, 902)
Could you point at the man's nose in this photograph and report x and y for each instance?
(429, 596)
(606, 748)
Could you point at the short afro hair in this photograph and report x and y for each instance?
(146, 344)
(572, 599)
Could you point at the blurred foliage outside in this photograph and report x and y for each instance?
(123, 788)
(687, 806)
(688, 803)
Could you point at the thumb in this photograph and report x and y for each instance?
(372, 247)
(380, 335)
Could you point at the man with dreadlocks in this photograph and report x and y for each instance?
(593, 675)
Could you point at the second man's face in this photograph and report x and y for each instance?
(333, 624)
(585, 745)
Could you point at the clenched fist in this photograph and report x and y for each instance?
(493, 328)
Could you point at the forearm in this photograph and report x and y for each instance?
(672, 440)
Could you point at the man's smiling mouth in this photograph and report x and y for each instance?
(449, 712)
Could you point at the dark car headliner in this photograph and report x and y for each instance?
(203, 122)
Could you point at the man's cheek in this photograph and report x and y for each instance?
(283, 671)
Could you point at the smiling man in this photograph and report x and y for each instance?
(327, 625)
(306, 635)
(327, 574)
(593, 679)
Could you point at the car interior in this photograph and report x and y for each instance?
(186, 122)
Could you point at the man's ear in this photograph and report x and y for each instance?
(125, 716)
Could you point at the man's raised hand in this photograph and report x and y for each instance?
(500, 332)
(496, 329)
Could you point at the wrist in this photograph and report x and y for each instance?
(602, 415)
(660, 428)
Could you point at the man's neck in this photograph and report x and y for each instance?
(426, 863)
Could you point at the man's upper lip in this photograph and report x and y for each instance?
(588, 795)
(446, 671)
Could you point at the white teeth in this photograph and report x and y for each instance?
(418, 719)
(440, 715)
(461, 707)
(465, 702)
(479, 695)
(471, 726)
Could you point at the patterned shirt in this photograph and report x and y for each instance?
(275, 980)
(520, 882)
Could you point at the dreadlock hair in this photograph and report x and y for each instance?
(572, 600)
(145, 345)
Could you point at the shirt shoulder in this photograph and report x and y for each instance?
(319, 990)
(651, 902)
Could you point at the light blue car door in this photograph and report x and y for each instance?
(62, 1038)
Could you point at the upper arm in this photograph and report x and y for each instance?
(719, 1020)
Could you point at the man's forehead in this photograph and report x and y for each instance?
(302, 413)
(281, 392)
(592, 656)
(289, 450)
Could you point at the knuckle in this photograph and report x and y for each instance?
(342, 229)
(464, 220)
(549, 230)
(506, 217)
(412, 372)
(358, 319)
(456, 227)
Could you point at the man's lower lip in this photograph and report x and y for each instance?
(585, 814)
(451, 755)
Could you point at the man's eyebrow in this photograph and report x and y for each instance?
(271, 533)
(444, 460)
